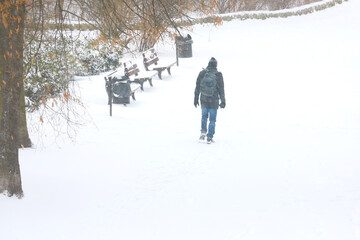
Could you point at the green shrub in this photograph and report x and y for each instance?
(49, 67)
(98, 57)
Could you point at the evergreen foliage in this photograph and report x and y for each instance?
(49, 67)
(98, 57)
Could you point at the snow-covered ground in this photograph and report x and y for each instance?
(285, 165)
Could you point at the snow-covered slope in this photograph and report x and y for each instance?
(285, 164)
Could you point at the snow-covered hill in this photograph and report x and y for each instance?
(285, 164)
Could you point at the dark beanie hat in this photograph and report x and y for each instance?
(212, 62)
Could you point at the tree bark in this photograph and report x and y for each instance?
(11, 77)
(23, 138)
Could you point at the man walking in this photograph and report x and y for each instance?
(210, 88)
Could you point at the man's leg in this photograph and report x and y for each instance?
(213, 113)
(204, 119)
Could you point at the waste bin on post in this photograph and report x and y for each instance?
(121, 90)
(183, 47)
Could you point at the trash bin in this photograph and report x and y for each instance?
(121, 90)
(184, 46)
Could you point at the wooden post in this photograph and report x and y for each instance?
(111, 96)
(177, 53)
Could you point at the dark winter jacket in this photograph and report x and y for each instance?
(213, 101)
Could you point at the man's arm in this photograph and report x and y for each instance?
(197, 88)
(221, 90)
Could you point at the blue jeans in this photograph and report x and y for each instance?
(211, 114)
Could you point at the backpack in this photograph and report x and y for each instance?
(208, 84)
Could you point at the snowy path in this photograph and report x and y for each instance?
(285, 164)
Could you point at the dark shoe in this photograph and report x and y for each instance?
(210, 140)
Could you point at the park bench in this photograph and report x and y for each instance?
(150, 57)
(132, 70)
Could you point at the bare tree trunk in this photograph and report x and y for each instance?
(23, 133)
(11, 76)
(23, 139)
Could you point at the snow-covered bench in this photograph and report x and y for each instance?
(150, 57)
(132, 70)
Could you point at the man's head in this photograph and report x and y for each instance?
(212, 63)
